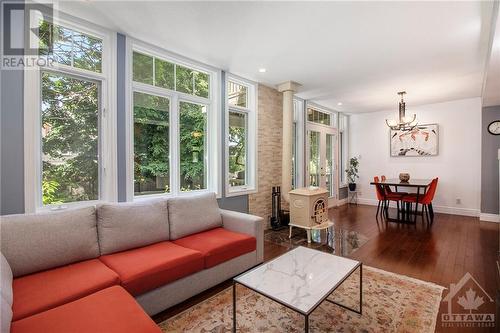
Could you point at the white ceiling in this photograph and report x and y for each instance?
(357, 53)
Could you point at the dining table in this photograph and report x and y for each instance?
(419, 185)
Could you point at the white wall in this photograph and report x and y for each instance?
(457, 164)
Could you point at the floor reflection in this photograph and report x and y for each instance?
(332, 240)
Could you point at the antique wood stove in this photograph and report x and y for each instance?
(309, 209)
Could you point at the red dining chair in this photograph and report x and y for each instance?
(425, 201)
(383, 197)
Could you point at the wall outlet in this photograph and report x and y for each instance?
(459, 201)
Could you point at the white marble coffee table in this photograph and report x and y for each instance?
(300, 279)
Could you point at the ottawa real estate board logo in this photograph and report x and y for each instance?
(469, 306)
(20, 32)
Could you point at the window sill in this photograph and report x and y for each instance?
(139, 198)
(68, 206)
(238, 191)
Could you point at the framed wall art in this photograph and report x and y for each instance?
(419, 141)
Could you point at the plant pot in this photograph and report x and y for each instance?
(352, 187)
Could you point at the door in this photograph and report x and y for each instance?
(322, 155)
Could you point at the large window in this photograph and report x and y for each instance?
(343, 146)
(193, 129)
(70, 139)
(68, 115)
(151, 144)
(298, 143)
(174, 123)
(240, 136)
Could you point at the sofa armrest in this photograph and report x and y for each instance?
(246, 224)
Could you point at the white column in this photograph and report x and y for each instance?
(288, 89)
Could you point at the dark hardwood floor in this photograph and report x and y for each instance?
(441, 253)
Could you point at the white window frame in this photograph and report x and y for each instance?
(213, 140)
(107, 135)
(251, 141)
(299, 120)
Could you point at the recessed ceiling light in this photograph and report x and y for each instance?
(262, 70)
(339, 103)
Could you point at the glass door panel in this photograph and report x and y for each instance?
(329, 164)
(322, 154)
(314, 158)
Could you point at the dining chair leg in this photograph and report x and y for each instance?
(431, 212)
(397, 205)
(427, 214)
(378, 208)
(423, 213)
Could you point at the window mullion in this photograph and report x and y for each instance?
(175, 146)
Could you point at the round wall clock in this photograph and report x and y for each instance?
(494, 127)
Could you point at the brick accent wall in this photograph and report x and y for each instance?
(270, 120)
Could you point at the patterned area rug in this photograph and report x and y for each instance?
(391, 303)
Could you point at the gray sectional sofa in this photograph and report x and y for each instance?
(160, 251)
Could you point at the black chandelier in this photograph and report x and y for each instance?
(405, 123)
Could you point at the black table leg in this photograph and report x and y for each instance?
(416, 204)
(306, 327)
(234, 307)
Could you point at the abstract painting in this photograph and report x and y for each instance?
(420, 141)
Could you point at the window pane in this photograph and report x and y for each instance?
(164, 74)
(70, 47)
(310, 115)
(192, 125)
(62, 44)
(87, 52)
(319, 117)
(342, 162)
(142, 68)
(237, 148)
(330, 145)
(70, 128)
(184, 80)
(201, 84)
(151, 144)
(237, 94)
(45, 36)
(314, 158)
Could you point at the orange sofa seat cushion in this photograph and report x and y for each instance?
(151, 266)
(218, 245)
(45, 290)
(111, 310)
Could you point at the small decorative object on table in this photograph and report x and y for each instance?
(404, 177)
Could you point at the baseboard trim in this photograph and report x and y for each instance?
(438, 209)
(489, 217)
(342, 202)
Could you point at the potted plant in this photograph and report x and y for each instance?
(352, 173)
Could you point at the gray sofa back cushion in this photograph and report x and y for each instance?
(125, 226)
(189, 215)
(5, 280)
(36, 242)
(5, 315)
